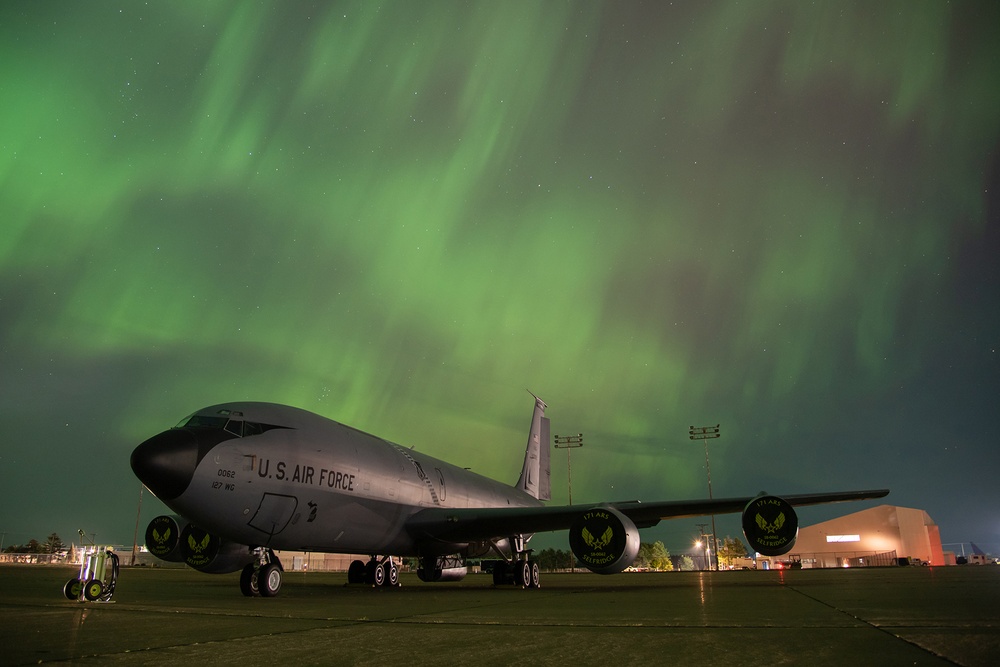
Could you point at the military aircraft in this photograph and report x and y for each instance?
(248, 478)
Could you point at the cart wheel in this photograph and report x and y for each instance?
(93, 590)
(72, 589)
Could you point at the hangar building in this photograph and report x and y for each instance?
(878, 536)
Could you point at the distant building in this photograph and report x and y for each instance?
(881, 535)
(313, 561)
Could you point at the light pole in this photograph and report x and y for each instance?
(706, 433)
(135, 534)
(703, 543)
(569, 442)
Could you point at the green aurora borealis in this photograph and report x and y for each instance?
(779, 216)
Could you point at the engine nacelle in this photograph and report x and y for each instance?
(770, 525)
(163, 537)
(210, 553)
(604, 540)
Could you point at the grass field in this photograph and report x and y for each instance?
(888, 616)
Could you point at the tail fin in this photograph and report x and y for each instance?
(536, 473)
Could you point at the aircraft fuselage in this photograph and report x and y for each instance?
(288, 479)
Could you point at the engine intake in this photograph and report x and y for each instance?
(770, 525)
(210, 553)
(163, 537)
(604, 540)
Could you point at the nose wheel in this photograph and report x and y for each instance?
(269, 580)
(262, 578)
(249, 584)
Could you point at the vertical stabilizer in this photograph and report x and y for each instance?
(544, 469)
(535, 473)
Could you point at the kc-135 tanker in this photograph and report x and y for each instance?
(248, 478)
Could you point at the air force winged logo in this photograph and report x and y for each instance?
(770, 525)
(597, 538)
(198, 547)
(162, 536)
(771, 528)
(596, 543)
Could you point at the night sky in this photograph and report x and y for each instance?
(776, 216)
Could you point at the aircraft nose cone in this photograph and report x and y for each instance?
(166, 462)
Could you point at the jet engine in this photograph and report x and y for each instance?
(172, 538)
(604, 540)
(210, 553)
(770, 525)
(163, 537)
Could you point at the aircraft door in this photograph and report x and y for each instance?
(274, 513)
(442, 489)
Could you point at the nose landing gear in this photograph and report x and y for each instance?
(263, 577)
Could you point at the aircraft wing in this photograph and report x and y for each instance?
(483, 523)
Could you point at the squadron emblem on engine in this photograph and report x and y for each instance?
(597, 538)
(162, 536)
(198, 546)
(771, 527)
(597, 543)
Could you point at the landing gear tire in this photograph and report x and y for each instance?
(393, 575)
(72, 589)
(535, 581)
(356, 572)
(522, 575)
(378, 576)
(93, 590)
(269, 580)
(250, 582)
(500, 573)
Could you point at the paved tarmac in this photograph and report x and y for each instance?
(885, 616)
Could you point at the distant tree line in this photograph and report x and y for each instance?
(652, 556)
(550, 560)
(730, 549)
(53, 544)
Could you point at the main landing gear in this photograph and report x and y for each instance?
(523, 573)
(262, 577)
(519, 569)
(376, 572)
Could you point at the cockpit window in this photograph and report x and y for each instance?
(232, 424)
(204, 421)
